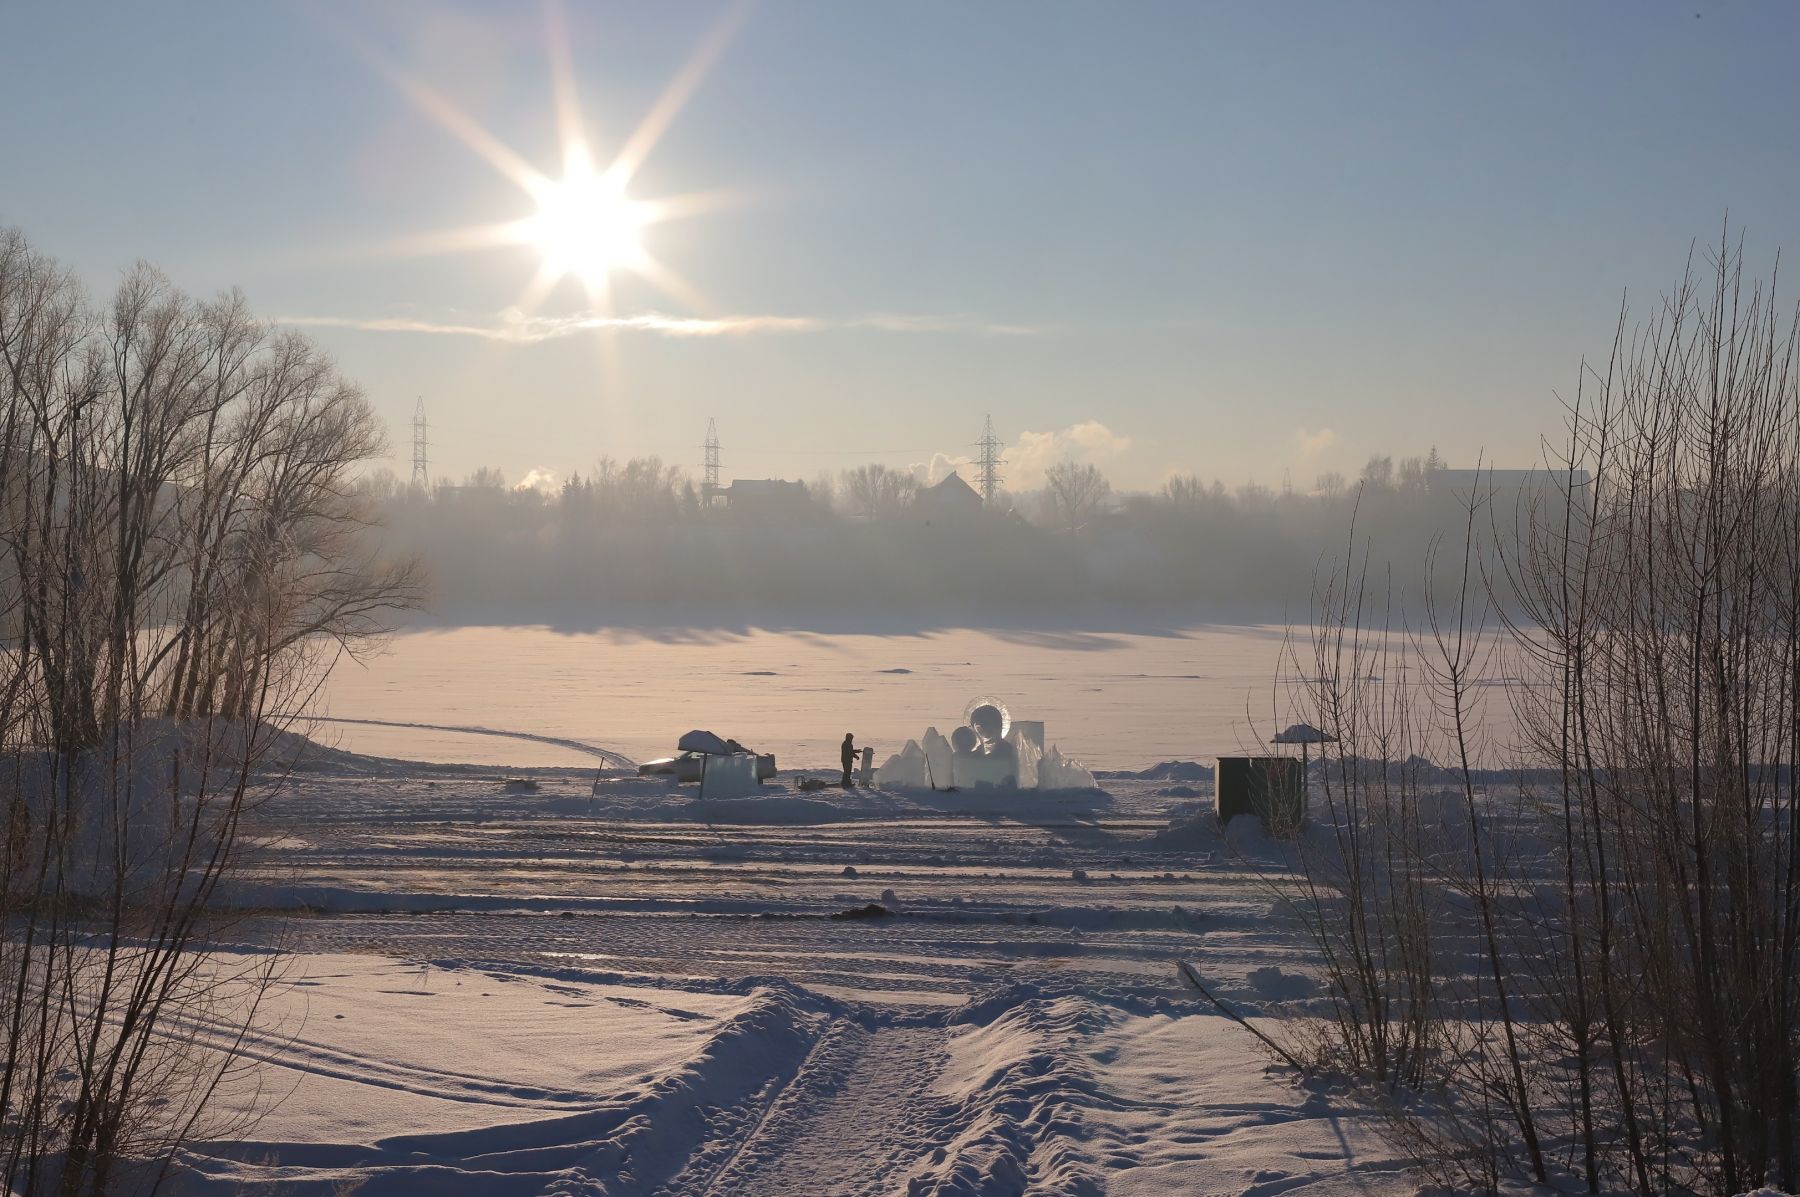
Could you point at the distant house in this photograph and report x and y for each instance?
(950, 501)
(765, 496)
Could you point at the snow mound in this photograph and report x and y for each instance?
(1199, 832)
(128, 806)
(1276, 986)
(494, 1112)
(1013, 1096)
(1165, 771)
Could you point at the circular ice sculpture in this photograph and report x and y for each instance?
(988, 716)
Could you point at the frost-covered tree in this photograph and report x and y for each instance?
(181, 554)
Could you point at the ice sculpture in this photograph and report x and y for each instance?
(989, 749)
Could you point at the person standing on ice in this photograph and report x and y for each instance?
(849, 756)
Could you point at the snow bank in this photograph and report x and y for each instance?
(1200, 832)
(506, 1083)
(1164, 771)
(1276, 985)
(1077, 1093)
(148, 803)
(1194, 1108)
(1013, 1095)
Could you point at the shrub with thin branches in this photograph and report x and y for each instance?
(1598, 958)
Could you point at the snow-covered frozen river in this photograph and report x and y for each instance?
(1112, 699)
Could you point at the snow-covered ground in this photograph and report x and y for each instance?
(616, 989)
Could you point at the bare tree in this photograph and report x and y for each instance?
(1378, 472)
(180, 537)
(1185, 492)
(877, 491)
(1075, 492)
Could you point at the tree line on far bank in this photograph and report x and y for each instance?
(635, 540)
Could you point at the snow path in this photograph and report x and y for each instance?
(851, 1116)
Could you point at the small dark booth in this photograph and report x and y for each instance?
(1270, 787)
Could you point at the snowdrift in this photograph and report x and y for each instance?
(510, 1083)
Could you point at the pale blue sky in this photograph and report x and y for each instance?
(1226, 228)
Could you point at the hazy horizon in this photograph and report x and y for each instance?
(1168, 239)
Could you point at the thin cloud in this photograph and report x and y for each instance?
(1314, 443)
(515, 327)
(940, 324)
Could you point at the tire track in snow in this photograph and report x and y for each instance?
(295, 1053)
(617, 760)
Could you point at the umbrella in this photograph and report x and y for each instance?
(1305, 735)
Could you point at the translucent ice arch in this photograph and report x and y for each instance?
(988, 749)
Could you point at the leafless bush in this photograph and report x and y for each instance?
(1362, 890)
(1607, 988)
(180, 552)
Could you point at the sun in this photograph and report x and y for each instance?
(586, 226)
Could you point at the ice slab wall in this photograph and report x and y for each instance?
(1058, 772)
(905, 768)
(731, 776)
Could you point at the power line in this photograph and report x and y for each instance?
(855, 452)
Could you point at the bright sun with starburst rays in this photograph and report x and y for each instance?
(585, 225)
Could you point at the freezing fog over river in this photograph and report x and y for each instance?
(1114, 700)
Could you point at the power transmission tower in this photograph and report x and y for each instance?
(709, 488)
(421, 473)
(990, 463)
